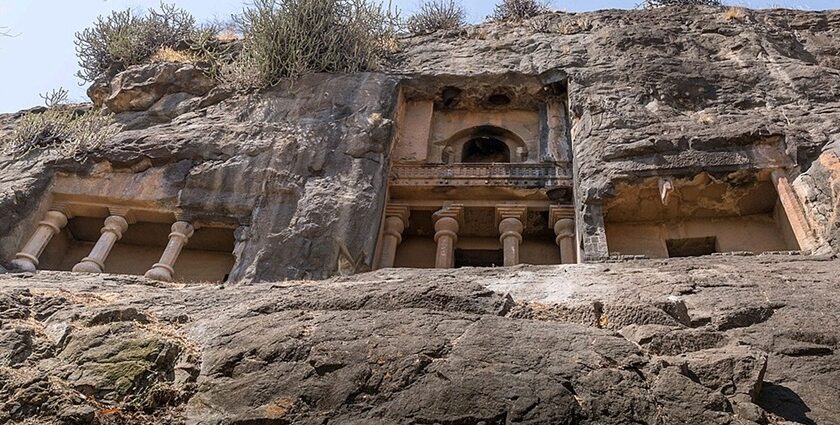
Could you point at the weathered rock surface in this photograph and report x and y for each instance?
(673, 90)
(304, 165)
(421, 346)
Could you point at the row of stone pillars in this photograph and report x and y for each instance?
(112, 231)
(449, 219)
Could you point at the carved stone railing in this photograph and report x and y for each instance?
(514, 175)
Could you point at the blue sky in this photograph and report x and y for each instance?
(41, 56)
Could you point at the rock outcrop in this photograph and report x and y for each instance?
(301, 171)
(720, 340)
(304, 166)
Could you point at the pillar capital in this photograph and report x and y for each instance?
(56, 220)
(182, 229)
(510, 211)
(402, 212)
(558, 212)
(446, 226)
(63, 208)
(123, 212)
(116, 225)
(450, 210)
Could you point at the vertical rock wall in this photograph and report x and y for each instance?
(302, 168)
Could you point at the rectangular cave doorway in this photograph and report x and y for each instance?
(207, 257)
(691, 247)
(479, 258)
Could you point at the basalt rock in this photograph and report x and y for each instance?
(301, 171)
(424, 347)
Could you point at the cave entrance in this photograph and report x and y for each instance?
(485, 149)
(691, 247)
(698, 215)
(479, 258)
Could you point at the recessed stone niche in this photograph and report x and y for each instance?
(663, 216)
(207, 256)
(478, 241)
(128, 222)
(476, 169)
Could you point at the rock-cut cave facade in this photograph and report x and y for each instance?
(479, 174)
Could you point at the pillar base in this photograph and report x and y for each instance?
(87, 265)
(160, 272)
(24, 265)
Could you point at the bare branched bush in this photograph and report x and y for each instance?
(289, 38)
(658, 3)
(519, 10)
(60, 129)
(124, 38)
(437, 15)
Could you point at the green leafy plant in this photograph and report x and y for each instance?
(290, 38)
(518, 10)
(435, 15)
(60, 129)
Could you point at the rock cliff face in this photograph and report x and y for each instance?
(302, 170)
(653, 92)
(304, 166)
(718, 340)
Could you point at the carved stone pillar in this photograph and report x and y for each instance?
(510, 220)
(164, 269)
(115, 226)
(446, 235)
(564, 227)
(396, 220)
(793, 210)
(27, 258)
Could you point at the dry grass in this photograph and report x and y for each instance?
(736, 13)
(168, 54)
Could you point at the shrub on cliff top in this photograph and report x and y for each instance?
(60, 129)
(124, 38)
(518, 10)
(436, 15)
(289, 38)
(657, 3)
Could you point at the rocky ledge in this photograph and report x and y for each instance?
(712, 340)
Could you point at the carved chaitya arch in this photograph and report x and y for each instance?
(457, 147)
